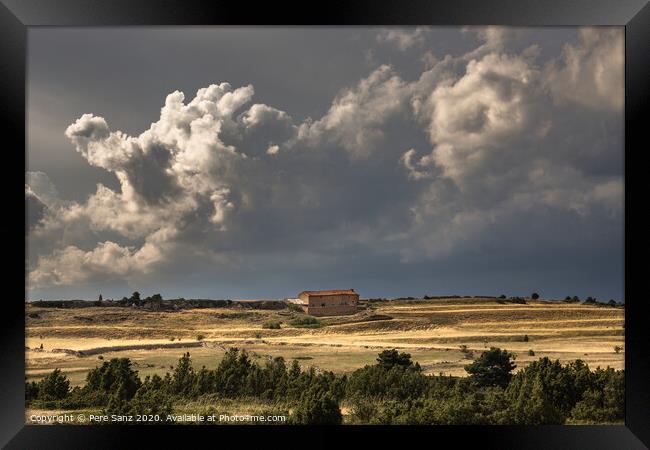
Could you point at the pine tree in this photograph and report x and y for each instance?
(317, 407)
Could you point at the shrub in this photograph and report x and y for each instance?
(534, 406)
(398, 382)
(31, 391)
(272, 325)
(390, 358)
(305, 322)
(317, 407)
(592, 408)
(525, 338)
(83, 398)
(392, 391)
(293, 307)
(604, 399)
(617, 349)
(363, 409)
(200, 337)
(113, 375)
(467, 353)
(118, 403)
(556, 389)
(150, 400)
(54, 387)
(534, 296)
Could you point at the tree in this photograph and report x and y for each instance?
(398, 382)
(492, 368)
(533, 406)
(54, 387)
(118, 402)
(113, 375)
(294, 370)
(100, 298)
(150, 399)
(135, 297)
(535, 296)
(184, 376)
(363, 409)
(604, 399)
(560, 386)
(31, 391)
(233, 368)
(390, 358)
(317, 407)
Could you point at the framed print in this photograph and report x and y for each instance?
(379, 218)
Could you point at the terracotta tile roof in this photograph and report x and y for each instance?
(331, 292)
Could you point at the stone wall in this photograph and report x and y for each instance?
(334, 310)
(332, 305)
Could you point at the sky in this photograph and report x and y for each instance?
(257, 162)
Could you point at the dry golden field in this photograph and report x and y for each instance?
(433, 331)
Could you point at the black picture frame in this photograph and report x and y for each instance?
(17, 15)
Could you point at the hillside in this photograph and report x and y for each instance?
(442, 334)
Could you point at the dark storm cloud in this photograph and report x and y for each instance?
(35, 208)
(399, 161)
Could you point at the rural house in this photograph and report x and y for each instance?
(328, 303)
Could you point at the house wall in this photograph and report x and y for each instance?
(331, 305)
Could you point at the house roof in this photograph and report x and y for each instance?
(331, 292)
